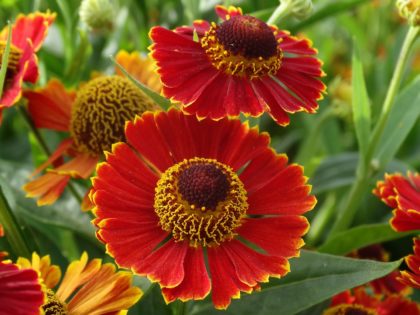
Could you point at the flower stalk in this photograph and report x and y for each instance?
(367, 166)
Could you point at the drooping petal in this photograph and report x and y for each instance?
(50, 107)
(47, 187)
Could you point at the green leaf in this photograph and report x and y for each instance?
(405, 113)
(360, 100)
(339, 171)
(5, 58)
(329, 10)
(160, 100)
(314, 277)
(360, 236)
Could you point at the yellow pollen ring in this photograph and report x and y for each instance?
(238, 65)
(14, 56)
(198, 225)
(54, 306)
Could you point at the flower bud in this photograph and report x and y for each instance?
(97, 14)
(410, 10)
(301, 9)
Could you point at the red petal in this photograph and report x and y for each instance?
(57, 154)
(225, 13)
(253, 267)
(165, 265)
(225, 282)
(81, 166)
(285, 193)
(278, 236)
(294, 45)
(50, 107)
(196, 284)
(48, 187)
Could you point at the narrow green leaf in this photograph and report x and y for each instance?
(361, 105)
(345, 242)
(314, 277)
(405, 113)
(160, 100)
(5, 58)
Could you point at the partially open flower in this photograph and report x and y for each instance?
(87, 287)
(241, 65)
(95, 119)
(28, 34)
(410, 10)
(182, 189)
(21, 291)
(402, 194)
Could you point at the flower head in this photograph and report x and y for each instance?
(86, 288)
(28, 34)
(183, 189)
(402, 194)
(359, 302)
(240, 65)
(410, 10)
(21, 291)
(94, 118)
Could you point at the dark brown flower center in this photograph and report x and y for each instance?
(203, 185)
(13, 65)
(248, 36)
(54, 306)
(101, 109)
(350, 309)
(200, 201)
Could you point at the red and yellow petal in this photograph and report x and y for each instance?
(226, 12)
(81, 166)
(20, 290)
(50, 106)
(196, 283)
(287, 230)
(48, 188)
(13, 92)
(412, 276)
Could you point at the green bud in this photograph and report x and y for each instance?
(98, 14)
(301, 9)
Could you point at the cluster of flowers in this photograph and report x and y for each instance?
(190, 197)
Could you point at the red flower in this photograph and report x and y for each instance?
(241, 65)
(183, 189)
(412, 279)
(94, 119)
(20, 291)
(360, 303)
(402, 194)
(28, 34)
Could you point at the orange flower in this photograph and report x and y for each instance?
(20, 290)
(94, 118)
(28, 34)
(241, 65)
(86, 289)
(183, 188)
(402, 194)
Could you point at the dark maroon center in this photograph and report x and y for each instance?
(203, 185)
(355, 311)
(248, 36)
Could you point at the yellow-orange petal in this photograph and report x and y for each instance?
(141, 68)
(48, 188)
(50, 274)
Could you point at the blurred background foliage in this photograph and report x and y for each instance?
(324, 143)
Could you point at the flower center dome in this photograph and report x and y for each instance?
(201, 201)
(350, 309)
(13, 65)
(54, 306)
(101, 109)
(243, 46)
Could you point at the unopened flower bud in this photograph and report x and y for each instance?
(97, 14)
(410, 10)
(300, 9)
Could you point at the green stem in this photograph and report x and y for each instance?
(181, 308)
(12, 230)
(392, 92)
(280, 12)
(366, 168)
(40, 139)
